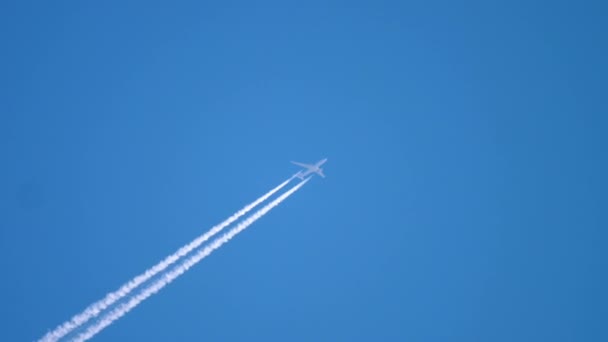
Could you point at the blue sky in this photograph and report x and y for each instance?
(465, 191)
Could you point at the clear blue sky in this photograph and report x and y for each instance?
(465, 197)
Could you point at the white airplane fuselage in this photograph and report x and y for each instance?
(311, 168)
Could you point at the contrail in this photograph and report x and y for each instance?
(168, 277)
(96, 308)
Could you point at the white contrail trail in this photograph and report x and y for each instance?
(96, 308)
(168, 277)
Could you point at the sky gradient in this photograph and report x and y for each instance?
(465, 197)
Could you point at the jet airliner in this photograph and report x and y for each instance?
(310, 168)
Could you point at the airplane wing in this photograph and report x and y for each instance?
(321, 162)
(320, 172)
(308, 166)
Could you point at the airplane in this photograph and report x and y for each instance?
(310, 168)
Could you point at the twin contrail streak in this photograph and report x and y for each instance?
(168, 277)
(96, 308)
